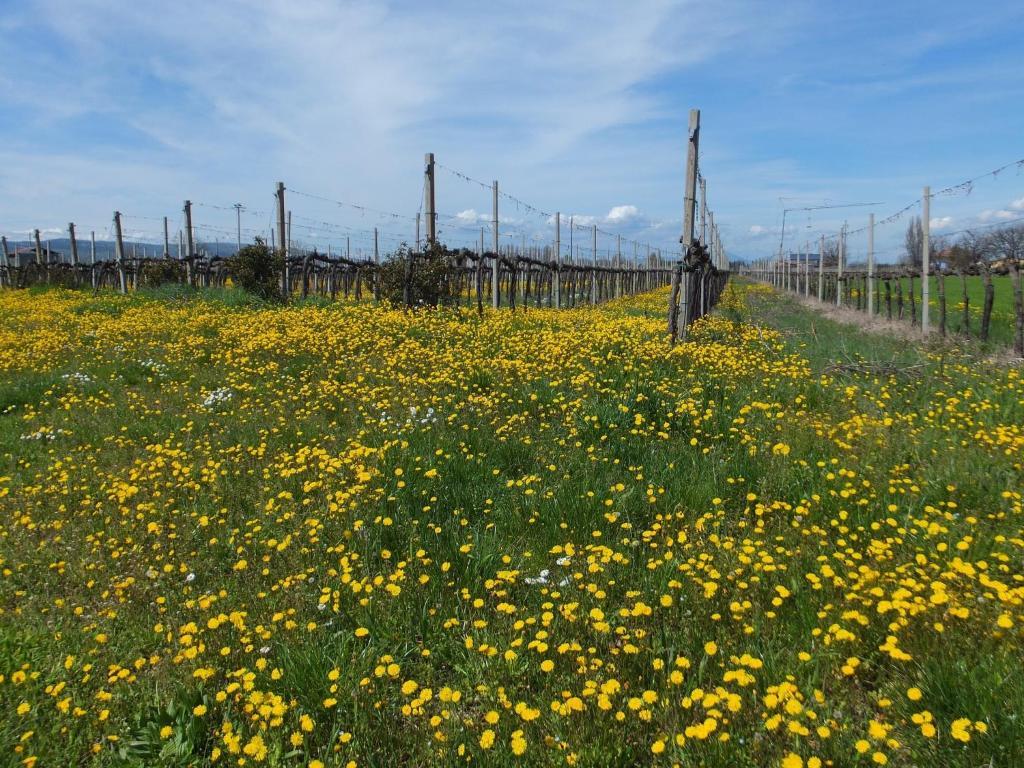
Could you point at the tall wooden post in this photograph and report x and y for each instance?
(74, 244)
(558, 260)
(120, 252)
(496, 261)
(871, 265)
(167, 241)
(417, 230)
(190, 249)
(680, 277)
(593, 270)
(428, 191)
(39, 249)
(925, 255)
(841, 253)
(821, 270)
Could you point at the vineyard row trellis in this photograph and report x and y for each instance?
(493, 275)
(878, 291)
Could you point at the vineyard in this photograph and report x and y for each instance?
(236, 532)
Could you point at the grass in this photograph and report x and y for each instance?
(233, 533)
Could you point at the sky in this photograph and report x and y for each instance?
(576, 107)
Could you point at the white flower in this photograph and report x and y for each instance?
(190, 578)
(218, 396)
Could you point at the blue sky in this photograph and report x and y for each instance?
(578, 107)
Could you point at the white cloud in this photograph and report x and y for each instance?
(1000, 214)
(1018, 204)
(940, 222)
(622, 213)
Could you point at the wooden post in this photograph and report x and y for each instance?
(593, 270)
(1018, 310)
(925, 256)
(821, 272)
(74, 244)
(7, 260)
(557, 277)
(428, 189)
(190, 241)
(120, 252)
(840, 256)
(871, 265)
(417, 230)
(39, 249)
(681, 283)
(167, 241)
(618, 266)
(496, 262)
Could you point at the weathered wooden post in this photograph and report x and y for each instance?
(680, 277)
(871, 265)
(496, 261)
(428, 191)
(190, 243)
(120, 252)
(925, 256)
(557, 277)
(821, 269)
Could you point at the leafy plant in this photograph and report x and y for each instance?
(257, 269)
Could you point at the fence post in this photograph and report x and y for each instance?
(821, 273)
(74, 244)
(190, 242)
(167, 241)
(120, 252)
(870, 265)
(39, 248)
(925, 255)
(689, 209)
(428, 189)
(496, 261)
(7, 260)
(558, 260)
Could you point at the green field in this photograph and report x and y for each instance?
(1001, 330)
(233, 533)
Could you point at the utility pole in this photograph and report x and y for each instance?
(74, 244)
(238, 223)
(120, 252)
(871, 265)
(428, 188)
(495, 264)
(925, 255)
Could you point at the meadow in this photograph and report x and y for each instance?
(233, 533)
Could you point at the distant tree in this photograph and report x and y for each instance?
(830, 254)
(1008, 243)
(913, 242)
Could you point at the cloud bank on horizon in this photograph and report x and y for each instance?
(578, 107)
